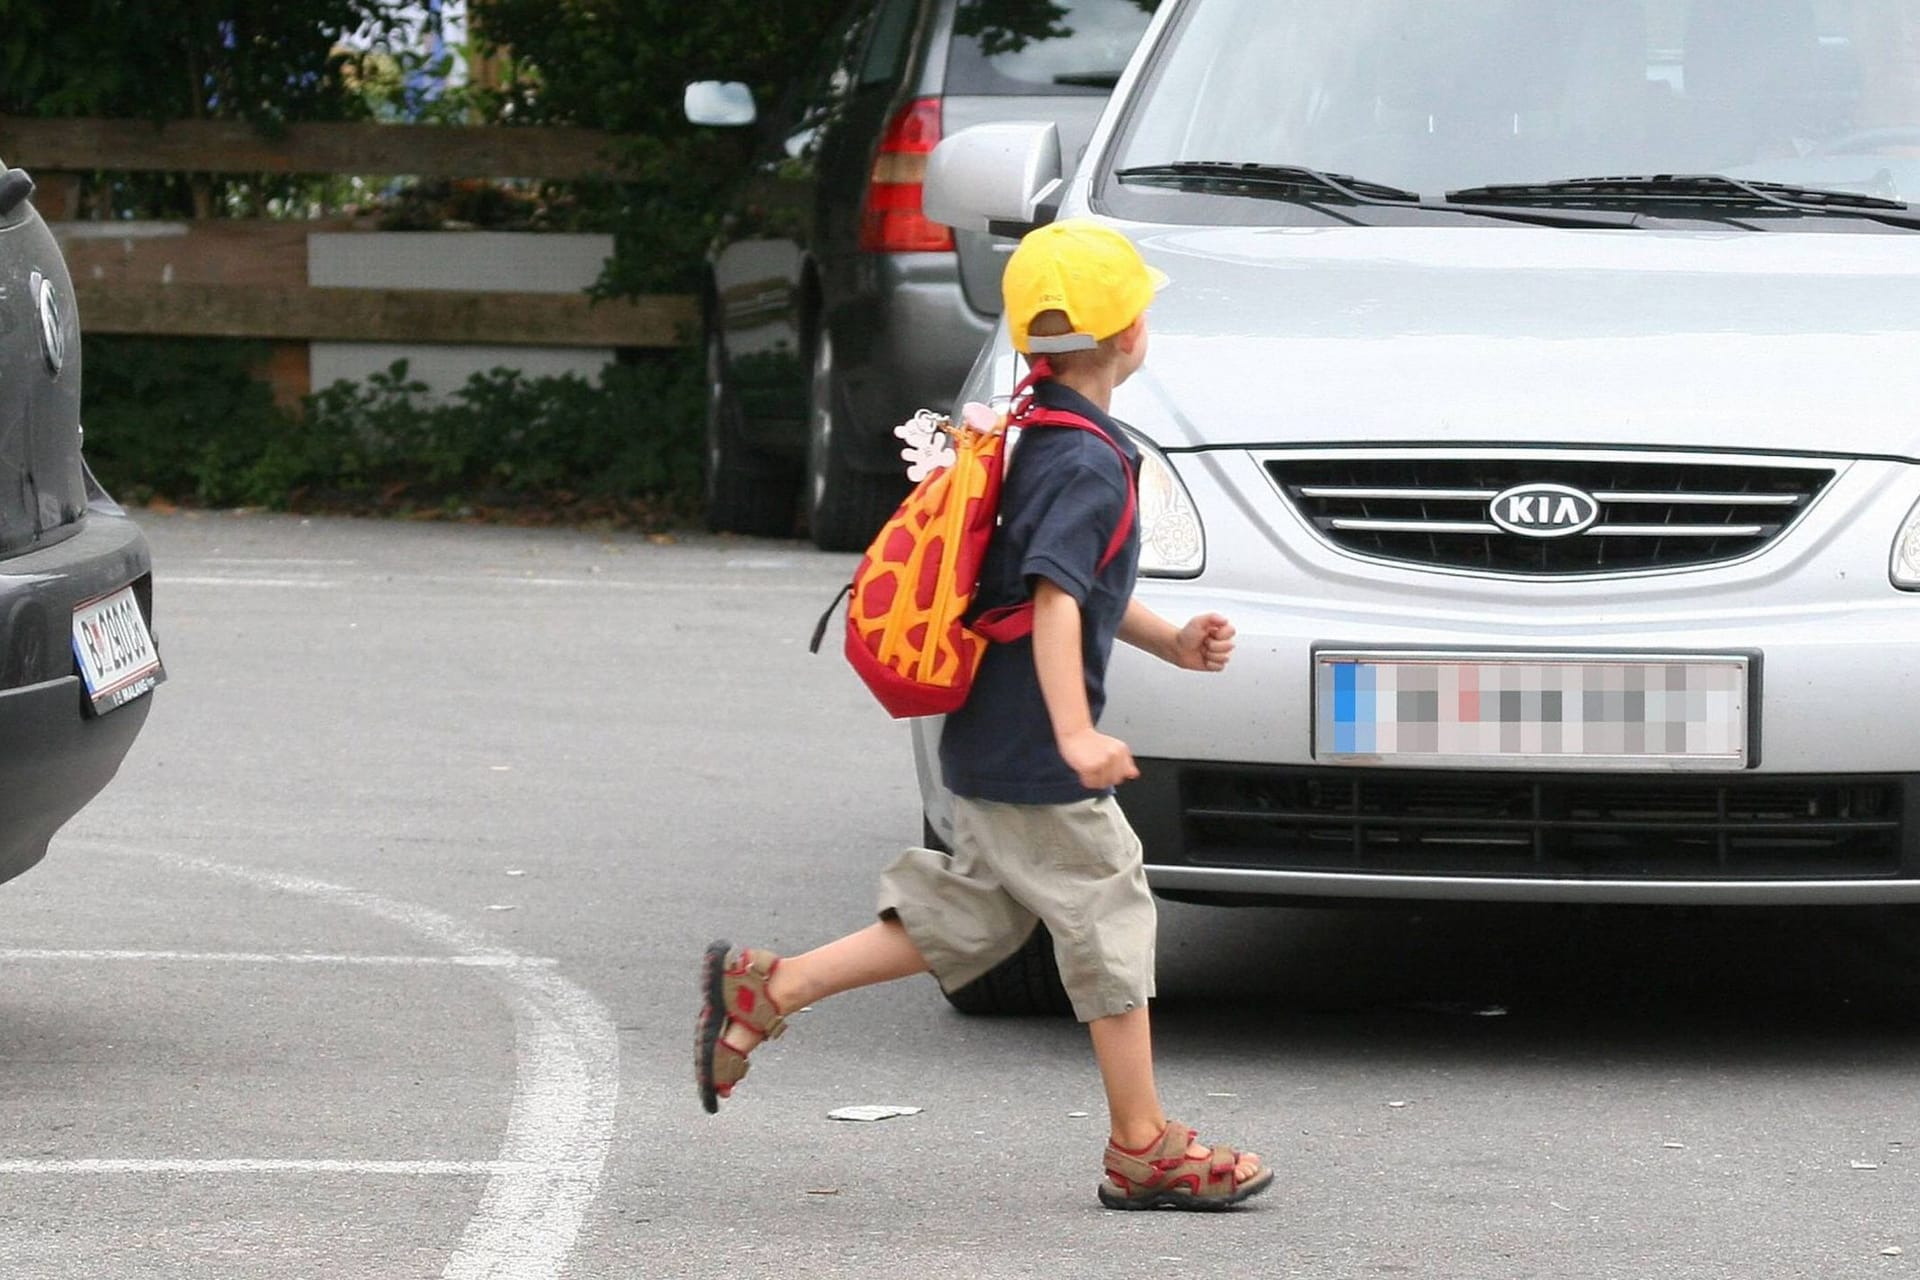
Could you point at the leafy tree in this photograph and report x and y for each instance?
(270, 61)
(623, 65)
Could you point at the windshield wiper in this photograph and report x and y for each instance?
(1089, 79)
(1266, 177)
(1312, 186)
(1693, 190)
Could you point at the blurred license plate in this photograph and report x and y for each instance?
(115, 650)
(1532, 710)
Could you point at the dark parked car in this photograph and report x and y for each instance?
(77, 657)
(834, 308)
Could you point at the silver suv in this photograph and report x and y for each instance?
(833, 308)
(1538, 390)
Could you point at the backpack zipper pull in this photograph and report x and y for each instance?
(820, 628)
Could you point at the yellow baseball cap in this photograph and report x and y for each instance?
(1084, 268)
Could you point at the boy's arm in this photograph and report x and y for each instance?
(1100, 761)
(1204, 644)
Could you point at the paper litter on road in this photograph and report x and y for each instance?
(1862, 1164)
(1892, 1251)
(872, 1111)
(1076, 1115)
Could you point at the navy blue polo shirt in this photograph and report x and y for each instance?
(1065, 494)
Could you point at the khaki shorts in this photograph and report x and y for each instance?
(1075, 867)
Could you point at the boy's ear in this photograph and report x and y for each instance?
(1129, 337)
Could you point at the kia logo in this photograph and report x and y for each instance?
(1543, 510)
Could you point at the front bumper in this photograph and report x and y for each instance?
(1218, 830)
(1233, 802)
(1233, 799)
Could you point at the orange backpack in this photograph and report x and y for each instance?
(908, 636)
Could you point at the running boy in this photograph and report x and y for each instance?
(1037, 834)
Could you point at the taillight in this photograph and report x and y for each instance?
(894, 220)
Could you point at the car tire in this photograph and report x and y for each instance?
(746, 490)
(845, 505)
(1025, 984)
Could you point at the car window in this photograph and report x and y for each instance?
(1056, 46)
(1434, 97)
(886, 54)
(831, 77)
(820, 95)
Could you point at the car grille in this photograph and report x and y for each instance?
(1584, 826)
(1435, 511)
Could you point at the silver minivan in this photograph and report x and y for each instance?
(1538, 391)
(833, 308)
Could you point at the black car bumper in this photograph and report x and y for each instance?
(55, 754)
(53, 760)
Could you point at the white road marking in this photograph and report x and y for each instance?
(403, 1168)
(256, 560)
(567, 1081)
(274, 957)
(171, 581)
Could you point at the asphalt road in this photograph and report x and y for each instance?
(377, 960)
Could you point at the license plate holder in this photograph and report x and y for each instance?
(1519, 710)
(114, 650)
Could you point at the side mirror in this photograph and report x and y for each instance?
(1000, 178)
(722, 103)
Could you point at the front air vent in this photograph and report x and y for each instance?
(1549, 825)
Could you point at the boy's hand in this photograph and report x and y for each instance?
(1099, 760)
(1204, 644)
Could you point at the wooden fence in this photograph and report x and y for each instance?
(248, 278)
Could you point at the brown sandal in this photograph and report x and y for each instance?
(1164, 1176)
(733, 984)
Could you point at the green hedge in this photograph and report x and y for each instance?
(189, 421)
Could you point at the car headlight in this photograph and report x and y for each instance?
(1906, 552)
(1172, 542)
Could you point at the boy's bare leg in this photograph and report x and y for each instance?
(878, 953)
(1123, 1046)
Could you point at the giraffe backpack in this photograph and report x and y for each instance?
(908, 636)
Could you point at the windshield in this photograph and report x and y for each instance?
(1435, 97)
(1057, 46)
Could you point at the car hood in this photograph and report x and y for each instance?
(1798, 342)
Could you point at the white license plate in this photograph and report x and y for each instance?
(118, 662)
(1532, 710)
